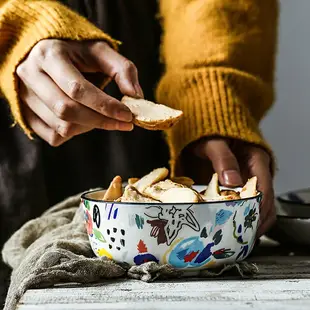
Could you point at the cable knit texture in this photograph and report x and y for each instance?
(219, 57)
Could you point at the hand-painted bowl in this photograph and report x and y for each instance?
(186, 236)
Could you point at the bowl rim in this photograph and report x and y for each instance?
(83, 197)
(291, 202)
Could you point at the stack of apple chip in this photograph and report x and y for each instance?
(155, 187)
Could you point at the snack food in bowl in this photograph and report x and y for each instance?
(171, 221)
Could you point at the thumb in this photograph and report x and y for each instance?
(119, 68)
(223, 161)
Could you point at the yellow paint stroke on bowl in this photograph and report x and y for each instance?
(209, 264)
(103, 252)
(173, 244)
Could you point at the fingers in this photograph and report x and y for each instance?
(255, 163)
(260, 167)
(116, 66)
(60, 102)
(66, 109)
(42, 129)
(63, 128)
(223, 161)
(52, 57)
(80, 90)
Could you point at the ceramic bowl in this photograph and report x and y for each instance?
(186, 236)
(293, 218)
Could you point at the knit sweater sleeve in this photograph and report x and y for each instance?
(23, 23)
(219, 57)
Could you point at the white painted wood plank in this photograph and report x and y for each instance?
(180, 285)
(137, 292)
(239, 305)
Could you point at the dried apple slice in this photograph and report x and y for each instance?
(151, 116)
(249, 189)
(179, 195)
(151, 178)
(184, 181)
(213, 191)
(132, 181)
(231, 194)
(132, 195)
(156, 190)
(114, 191)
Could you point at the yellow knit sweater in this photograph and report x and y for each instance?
(219, 57)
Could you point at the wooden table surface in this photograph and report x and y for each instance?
(265, 292)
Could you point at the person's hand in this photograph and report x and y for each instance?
(236, 162)
(60, 103)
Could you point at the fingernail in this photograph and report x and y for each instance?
(139, 92)
(232, 178)
(125, 126)
(125, 116)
